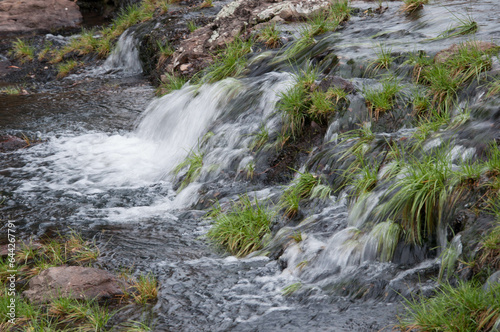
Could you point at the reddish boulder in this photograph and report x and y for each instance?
(75, 282)
(31, 15)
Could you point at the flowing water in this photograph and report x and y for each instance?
(104, 166)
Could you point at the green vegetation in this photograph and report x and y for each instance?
(15, 90)
(290, 289)
(304, 103)
(446, 77)
(269, 36)
(388, 234)
(191, 25)
(381, 100)
(241, 227)
(64, 69)
(260, 138)
(422, 196)
(169, 84)
(411, 6)
(23, 51)
(165, 51)
(194, 163)
(465, 308)
(384, 58)
(305, 186)
(466, 25)
(146, 289)
(230, 62)
(62, 313)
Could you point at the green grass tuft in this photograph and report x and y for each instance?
(230, 62)
(465, 308)
(241, 227)
(193, 163)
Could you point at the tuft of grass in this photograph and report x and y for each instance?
(64, 69)
(230, 62)
(241, 227)
(296, 103)
(193, 163)
(421, 197)
(23, 51)
(384, 58)
(381, 100)
(260, 138)
(465, 308)
(145, 289)
(290, 289)
(493, 88)
(465, 25)
(420, 102)
(339, 11)
(449, 257)
(388, 234)
(169, 84)
(303, 42)
(191, 25)
(364, 180)
(410, 6)
(269, 35)
(165, 51)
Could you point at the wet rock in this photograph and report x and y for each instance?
(236, 18)
(75, 282)
(336, 82)
(492, 281)
(11, 143)
(31, 15)
(445, 54)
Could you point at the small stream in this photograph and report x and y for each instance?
(104, 165)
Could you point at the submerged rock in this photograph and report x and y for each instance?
(75, 282)
(31, 15)
(11, 143)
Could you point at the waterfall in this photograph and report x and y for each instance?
(125, 57)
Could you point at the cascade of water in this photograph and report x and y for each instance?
(124, 58)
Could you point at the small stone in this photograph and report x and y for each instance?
(185, 66)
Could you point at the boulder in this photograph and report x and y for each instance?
(18, 16)
(74, 282)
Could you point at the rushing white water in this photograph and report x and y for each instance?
(125, 56)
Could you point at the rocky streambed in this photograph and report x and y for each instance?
(97, 152)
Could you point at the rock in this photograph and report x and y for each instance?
(492, 281)
(336, 82)
(236, 18)
(75, 282)
(444, 55)
(11, 143)
(32, 15)
(185, 66)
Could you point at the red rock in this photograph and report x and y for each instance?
(74, 282)
(31, 15)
